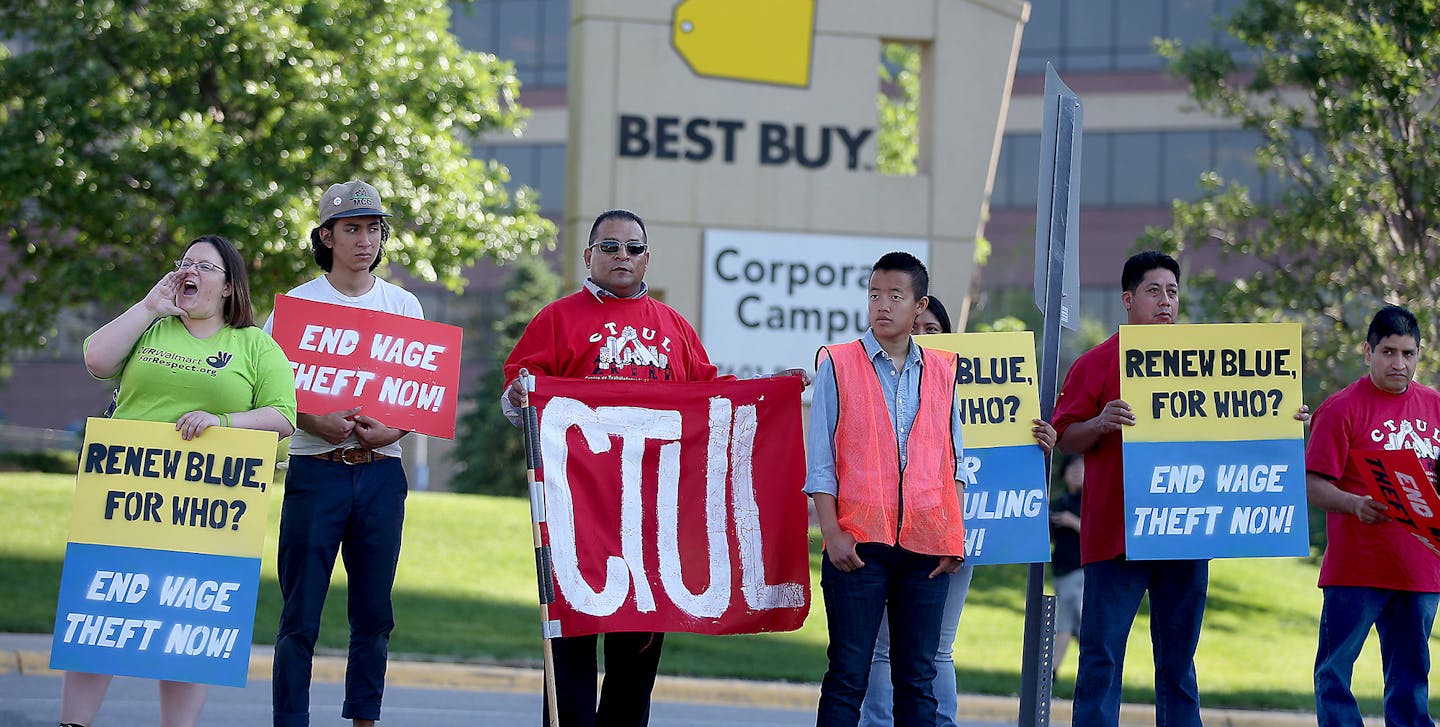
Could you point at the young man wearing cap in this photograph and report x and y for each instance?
(345, 489)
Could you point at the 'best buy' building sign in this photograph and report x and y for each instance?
(769, 143)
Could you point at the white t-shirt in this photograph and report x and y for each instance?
(383, 296)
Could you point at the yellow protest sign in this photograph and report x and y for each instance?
(766, 41)
(141, 485)
(1007, 516)
(1221, 382)
(994, 385)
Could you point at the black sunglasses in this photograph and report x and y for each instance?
(610, 247)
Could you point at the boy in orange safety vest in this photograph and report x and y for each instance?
(883, 443)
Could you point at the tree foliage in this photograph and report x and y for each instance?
(899, 110)
(1344, 95)
(490, 451)
(128, 128)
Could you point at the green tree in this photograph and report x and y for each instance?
(128, 127)
(899, 110)
(1343, 96)
(490, 451)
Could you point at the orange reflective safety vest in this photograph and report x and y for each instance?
(917, 508)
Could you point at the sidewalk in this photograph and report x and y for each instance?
(30, 654)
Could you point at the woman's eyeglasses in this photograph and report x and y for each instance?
(610, 247)
(203, 267)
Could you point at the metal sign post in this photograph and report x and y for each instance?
(1057, 293)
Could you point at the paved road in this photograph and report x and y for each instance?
(434, 694)
(33, 700)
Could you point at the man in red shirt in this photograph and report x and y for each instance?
(1089, 415)
(612, 329)
(1374, 572)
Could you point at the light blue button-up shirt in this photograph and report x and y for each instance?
(902, 398)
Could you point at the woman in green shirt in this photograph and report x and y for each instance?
(188, 353)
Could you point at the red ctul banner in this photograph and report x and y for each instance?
(1397, 478)
(404, 371)
(675, 506)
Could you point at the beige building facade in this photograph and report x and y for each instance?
(760, 192)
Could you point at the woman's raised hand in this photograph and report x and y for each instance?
(161, 298)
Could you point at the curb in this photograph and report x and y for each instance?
(691, 690)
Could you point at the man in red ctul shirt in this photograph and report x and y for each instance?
(1375, 573)
(611, 329)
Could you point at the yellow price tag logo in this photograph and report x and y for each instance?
(764, 41)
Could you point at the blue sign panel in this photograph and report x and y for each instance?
(157, 614)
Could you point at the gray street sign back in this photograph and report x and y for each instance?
(1057, 199)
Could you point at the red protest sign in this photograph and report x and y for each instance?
(1397, 478)
(674, 506)
(404, 371)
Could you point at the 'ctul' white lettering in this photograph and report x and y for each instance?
(758, 593)
(634, 426)
(715, 598)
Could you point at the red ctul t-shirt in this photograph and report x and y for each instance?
(584, 337)
(1093, 382)
(1359, 417)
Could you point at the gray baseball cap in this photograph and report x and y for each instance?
(350, 199)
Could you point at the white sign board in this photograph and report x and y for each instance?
(771, 299)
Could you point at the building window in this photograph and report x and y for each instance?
(1138, 156)
(1138, 169)
(1184, 156)
(535, 34)
(1106, 36)
(538, 166)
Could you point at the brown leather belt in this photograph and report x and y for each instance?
(351, 455)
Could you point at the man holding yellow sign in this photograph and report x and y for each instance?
(1090, 415)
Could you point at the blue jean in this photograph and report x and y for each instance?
(1403, 620)
(1113, 589)
(358, 511)
(895, 580)
(877, 710)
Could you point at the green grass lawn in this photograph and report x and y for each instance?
(466, 591)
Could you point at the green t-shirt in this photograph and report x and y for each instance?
(170, 373)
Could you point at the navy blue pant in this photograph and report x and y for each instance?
(1113, 589)
(631, 660)
(357, 511)
(896, 581)
(1403, 620)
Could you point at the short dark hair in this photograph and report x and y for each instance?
(1392, 320)
(1143, 262)
(325, 257)
(238, 311)
(942, 315)
(619, 214)
(906, 263)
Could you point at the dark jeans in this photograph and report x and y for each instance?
(1403, 620)
(357, 510)
(896, 581)
(631, 660)
(1113, 589)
